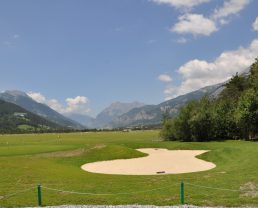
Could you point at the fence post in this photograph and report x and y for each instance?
(182, 193)
(39, 195)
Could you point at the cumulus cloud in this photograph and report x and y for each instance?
(255, 24)
(181, 4)
(198, 24)
(165, 78)
(78, 105)
(55, 105)
(37, 97)
(195, 24)
(200, 73)
(230, 7)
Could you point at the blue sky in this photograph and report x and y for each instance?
(79, 56)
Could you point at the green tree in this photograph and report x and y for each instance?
(182, 122)
(253, 77)
(201, 120)
(168, 131)
(224, 125)
(235, 87)
(247, 114)
(233, 115)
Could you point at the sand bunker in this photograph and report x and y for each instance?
(158, 161)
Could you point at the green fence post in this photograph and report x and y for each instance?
(39, 196)
(182, 192)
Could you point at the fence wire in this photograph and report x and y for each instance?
(108, 194)
(120, 193)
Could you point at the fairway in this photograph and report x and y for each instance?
(55, 160)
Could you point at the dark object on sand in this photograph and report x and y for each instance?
(160, 172)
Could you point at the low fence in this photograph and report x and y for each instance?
(181, 186)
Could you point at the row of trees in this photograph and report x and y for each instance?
(232, 115)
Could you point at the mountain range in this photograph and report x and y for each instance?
(14, 119)
(23, 100)
(152, 114)
(117, 115)
(134, 114)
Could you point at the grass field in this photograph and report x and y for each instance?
(54, 161)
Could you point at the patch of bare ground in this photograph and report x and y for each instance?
(98, 146)
(249, 189)
(72, 153)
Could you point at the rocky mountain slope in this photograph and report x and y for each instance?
(112, 112)
(152, 114)
(23, 100)
(13, 118)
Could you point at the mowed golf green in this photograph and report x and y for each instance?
(54, 160)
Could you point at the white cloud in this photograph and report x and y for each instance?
(224, 21)
(78, 105)
(165, 78)
(200, 73)
(182, 40)
(181, 4)
(37, 97)
(168, 98)
(230, 7)
(195, 24)
(198, 24)
(169, 90)
(55, 105)
(255, 24)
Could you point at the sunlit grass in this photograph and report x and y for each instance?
(54, 161)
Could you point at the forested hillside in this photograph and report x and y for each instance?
(14, 119)
(232, 115)
(24, 101)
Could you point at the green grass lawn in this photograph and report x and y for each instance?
(54, 161)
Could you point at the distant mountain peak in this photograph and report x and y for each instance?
(121, 104)
(119, 108)
(152, 114)
(16, 93)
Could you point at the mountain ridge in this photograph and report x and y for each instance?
(23, 100)
(107, 115)
(152, 114)
(14, 118)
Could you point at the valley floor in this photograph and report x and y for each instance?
(55, 160)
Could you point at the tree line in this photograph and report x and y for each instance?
(233, 114)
